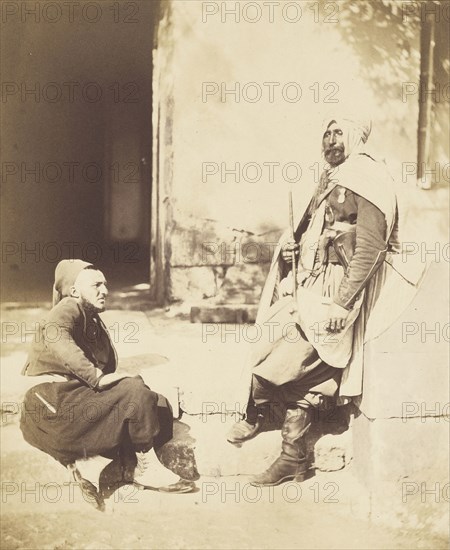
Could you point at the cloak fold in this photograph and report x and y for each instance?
(370, 179)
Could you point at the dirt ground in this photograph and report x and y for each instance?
(187, 521)
(224, 513)
(41, 510)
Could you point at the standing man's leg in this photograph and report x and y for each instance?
(292, 462)
(301, 398)
(262, 406)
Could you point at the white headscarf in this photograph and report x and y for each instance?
(356, 132)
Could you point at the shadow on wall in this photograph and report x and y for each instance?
(385, 35)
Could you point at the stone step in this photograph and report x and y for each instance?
(201, 440)
(231, 313)
(199, 447)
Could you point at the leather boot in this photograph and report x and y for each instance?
(88, 489)
(292, 463)
(250, 427)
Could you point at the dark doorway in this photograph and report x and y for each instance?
(76, 142)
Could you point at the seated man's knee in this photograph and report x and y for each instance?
(135, 386)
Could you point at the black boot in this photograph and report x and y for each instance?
(292, 463)
(88, 489)
(250, 427)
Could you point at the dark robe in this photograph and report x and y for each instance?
(76, 419)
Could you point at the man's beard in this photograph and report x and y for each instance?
(334, 155)
(90, 308)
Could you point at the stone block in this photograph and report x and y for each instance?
(223, 314)
(404, 464)
(215, 456)
(398, 448)
(199, 242)
(192, 283)
(178, 454)
(256, 248)
(201, 441)
(219, 388)
(243, 283)
(199, 446)
(332, 452)
(406, 368)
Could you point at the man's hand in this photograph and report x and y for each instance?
(337, 317)
(110, 379)
(287, 249)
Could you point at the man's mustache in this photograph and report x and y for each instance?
(337, 148)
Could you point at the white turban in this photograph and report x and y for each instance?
(356, 131)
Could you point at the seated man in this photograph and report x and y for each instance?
(321, 285)
(90, 409)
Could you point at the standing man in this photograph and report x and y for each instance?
(339, 245)
(90, 409)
